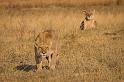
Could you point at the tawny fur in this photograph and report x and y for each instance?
(46, 46)
(89, 21)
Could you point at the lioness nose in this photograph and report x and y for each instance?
(43, 52)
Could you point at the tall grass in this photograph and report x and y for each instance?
(42, 3)
(90, 55)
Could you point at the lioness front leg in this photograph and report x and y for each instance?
(38, 59)
(49, 61)
(39, 66)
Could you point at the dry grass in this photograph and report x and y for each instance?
(94, 55)
(44, 3)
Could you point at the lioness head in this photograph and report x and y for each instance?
(44, 49)
(89, 14)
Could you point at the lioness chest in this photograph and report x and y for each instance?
(89, 24)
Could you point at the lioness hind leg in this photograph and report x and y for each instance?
(54, 60)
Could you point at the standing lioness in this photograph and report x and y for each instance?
(46, 45)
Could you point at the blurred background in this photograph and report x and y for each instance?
(43, 3)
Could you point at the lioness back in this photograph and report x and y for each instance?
(45, 38)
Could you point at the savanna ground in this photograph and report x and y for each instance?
(93, 55)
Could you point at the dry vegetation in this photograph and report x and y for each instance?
(94, 55)
(64, 3)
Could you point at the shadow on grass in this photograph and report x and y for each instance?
(28, 68)
(110, 33)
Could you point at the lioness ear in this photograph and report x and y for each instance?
(47, 47)
(93, 11)
(84, 11)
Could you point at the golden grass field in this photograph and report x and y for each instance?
(64, 3)
(93, 55)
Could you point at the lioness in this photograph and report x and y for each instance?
(89, 21)
(46, 46)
